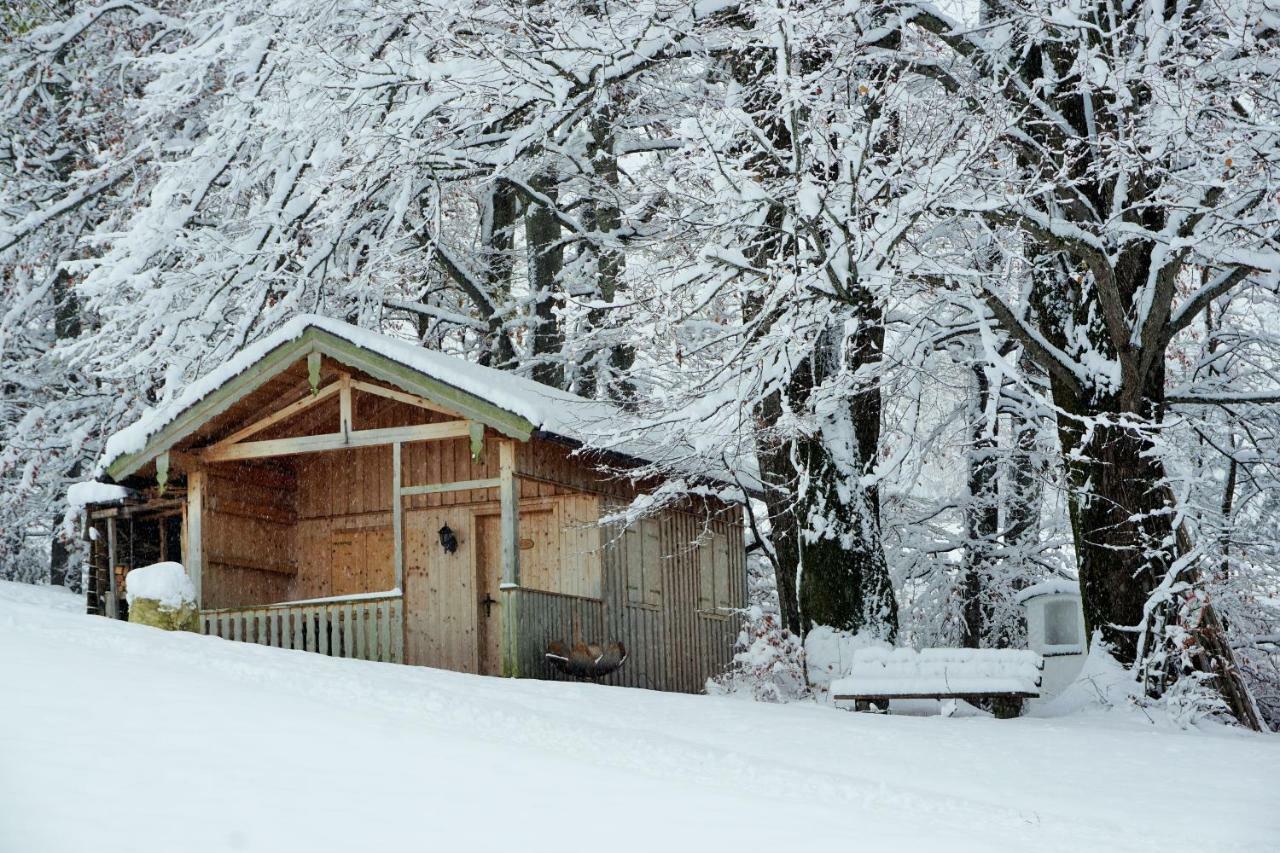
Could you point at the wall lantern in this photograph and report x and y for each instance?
(448, 541)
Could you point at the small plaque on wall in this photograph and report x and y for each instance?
(526, 544)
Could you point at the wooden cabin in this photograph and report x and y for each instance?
(352, 494)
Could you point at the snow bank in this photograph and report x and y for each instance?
(41, 595)
(891, 672)
(93, 492)
(297, 751)
(829, 654)
(1053, 586)
(166, 583)
(1102, 683)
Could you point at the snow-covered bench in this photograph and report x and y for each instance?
(1006, 676)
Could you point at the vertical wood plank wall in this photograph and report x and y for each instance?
(249, 553)
(671, 644)
(344, 542)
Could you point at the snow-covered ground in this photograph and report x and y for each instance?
(115, 737)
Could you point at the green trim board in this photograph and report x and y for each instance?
(190, 419)
(278, 360)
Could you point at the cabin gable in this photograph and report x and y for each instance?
(290, 355)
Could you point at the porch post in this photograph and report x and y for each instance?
(113, 593)
(397, 520)
(194, 557)
(346, 419)
(509, 499)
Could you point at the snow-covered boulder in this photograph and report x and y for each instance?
(161, 595)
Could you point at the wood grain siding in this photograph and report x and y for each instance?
(580, 570)
(674, 645)
(559, 544)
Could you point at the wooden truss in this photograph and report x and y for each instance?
(235, 447)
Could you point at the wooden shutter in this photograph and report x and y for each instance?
(706, 575)
(720, 554)
(653, 561)
(633, 564)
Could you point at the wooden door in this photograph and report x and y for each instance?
(440, 591)
(489, 579)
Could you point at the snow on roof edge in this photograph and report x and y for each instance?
(1053, 586)
(594, 424)
(91, 492)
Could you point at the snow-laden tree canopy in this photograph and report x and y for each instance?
(991, 294)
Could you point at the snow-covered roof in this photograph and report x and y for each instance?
(91, 492)
(1053, 586)
(591, 423)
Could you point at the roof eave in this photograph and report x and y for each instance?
(626, 459)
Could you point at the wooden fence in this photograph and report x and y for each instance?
(550, 616)
(363, 628)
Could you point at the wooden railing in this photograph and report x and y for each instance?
(369, 628)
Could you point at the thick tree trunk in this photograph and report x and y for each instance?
(1124, 537)
(497, 228)
(546, 261)
(1120, 522)
(604, 370)
(825, 523)
(981, 515)
(1122, 515)
(843, 576)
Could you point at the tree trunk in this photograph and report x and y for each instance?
(825, 523)
(781, 483)
(1025, 485)
(844, 578)
(1124, 538)
(496, 237)
(981, 514)
(546, 261)
(603, 371)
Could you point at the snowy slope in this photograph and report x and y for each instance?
(206, 745)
